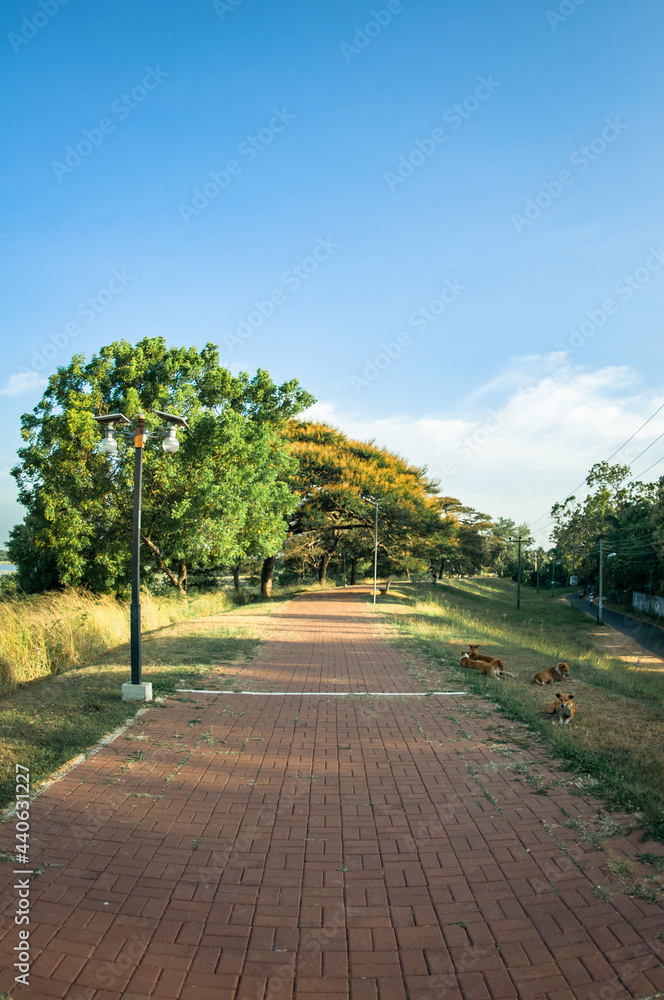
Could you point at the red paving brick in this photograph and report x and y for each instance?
(290, 845)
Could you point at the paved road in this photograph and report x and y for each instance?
(644, 633)
(309, 844)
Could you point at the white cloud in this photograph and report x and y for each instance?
(23, 382)
(547, 423)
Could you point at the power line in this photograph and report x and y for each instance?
(649, 467)
(647, 449)
(636, 432)
(632, 436)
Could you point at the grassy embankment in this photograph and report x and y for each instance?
(64, 657)
(45, 634)
(617, 736)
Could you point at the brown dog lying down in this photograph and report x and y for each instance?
(493, 668)
(474, 655)
(563, 709)
(554, 674)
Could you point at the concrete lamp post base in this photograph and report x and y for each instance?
(137, 692)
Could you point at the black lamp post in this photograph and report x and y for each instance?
(520, 540)
(375, 579)
(137, 689)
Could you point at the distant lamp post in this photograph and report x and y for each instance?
(553, 575)
(137, 689)
(520, 540)
(602, 562)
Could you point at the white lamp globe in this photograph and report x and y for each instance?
(109, 445)
(170, 444)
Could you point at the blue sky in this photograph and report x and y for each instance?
(563, 109)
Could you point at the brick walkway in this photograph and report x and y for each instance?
(258, 847)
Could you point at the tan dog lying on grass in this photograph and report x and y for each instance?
(554, 674)
(563, 709)
(474, 655)
(494, 668)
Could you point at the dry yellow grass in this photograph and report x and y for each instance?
(48, 633)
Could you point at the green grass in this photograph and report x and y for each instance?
(617, 736)
(45, 724)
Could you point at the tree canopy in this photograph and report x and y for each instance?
(628, 516)
(338, 482)
(222, 496)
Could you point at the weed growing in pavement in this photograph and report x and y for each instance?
(649, 889)
(537, 783)
(652, 859)
(43, 866)
(622, 868)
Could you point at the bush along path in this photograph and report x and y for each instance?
(336, 831)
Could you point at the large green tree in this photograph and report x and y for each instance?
(471, 554)
(338, 480)
(223, 496)
(626, 515)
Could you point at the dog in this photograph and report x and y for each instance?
(494, 668)
(554, 674)
(474, 655)
(563, 709)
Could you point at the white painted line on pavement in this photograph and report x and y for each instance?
(328, 694)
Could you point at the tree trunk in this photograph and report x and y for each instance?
(353, 571)
(322, 566)
(236, 579)
(266, 576)
(441, 568)
(175, 580)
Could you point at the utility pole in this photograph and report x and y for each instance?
(537, 570)
(573, 558)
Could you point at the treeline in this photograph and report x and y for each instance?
(250, 483)
(628, 517)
